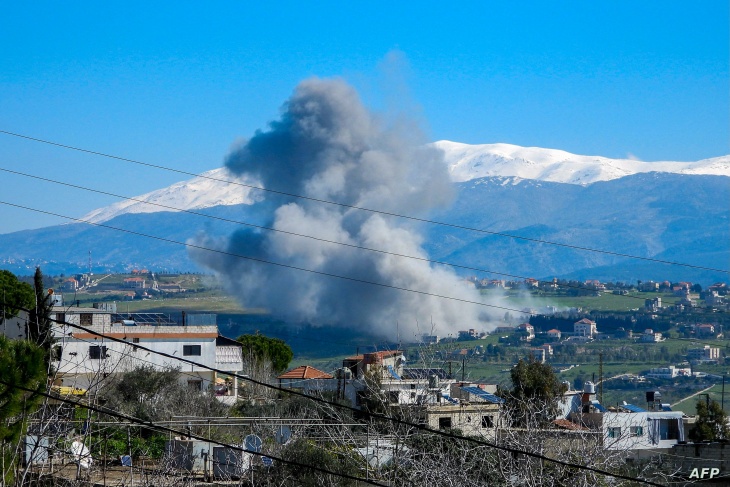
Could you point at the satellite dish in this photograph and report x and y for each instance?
(252, 443)
(283, 434)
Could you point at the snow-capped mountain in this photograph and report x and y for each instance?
(465, 162)
(211, 188)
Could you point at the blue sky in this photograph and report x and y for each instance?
(177, 83)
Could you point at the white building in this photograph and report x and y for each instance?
(649, 336)
(642, 430)
(585, 328)
(706, 354)
(87, 359)
(669, 372)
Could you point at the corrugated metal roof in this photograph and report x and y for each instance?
(598, 406)
(483, 395)
(633, 409)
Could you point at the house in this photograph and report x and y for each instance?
(526, 330)
(650, 337)
(648, 286)
(85, 359)
(585, 328)
(531, 283)
(705, 354)
(705, 331)
(669, 372)
(653, 304)
(386, 364)
(713, 298)
(297, 377)
(430, 339)
(629, 428)
(470, 334)
(554, 334)
(70, 285)
(135, 283)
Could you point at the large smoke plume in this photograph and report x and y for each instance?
(328, 146)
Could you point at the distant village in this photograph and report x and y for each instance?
(96, 343)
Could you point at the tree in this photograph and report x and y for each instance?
(39, 319)
(260, 348)
(711, 423)
(21, 363)
(535, 393)
(14, 295)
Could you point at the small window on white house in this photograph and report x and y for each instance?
(444, 423)
(195, 385)
(637, 431)
(487, 422)
(97, 352)
(189, 350)
(86, 319)
(614, 432)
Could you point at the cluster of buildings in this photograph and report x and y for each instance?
(111, 344)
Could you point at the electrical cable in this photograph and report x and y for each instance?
(151, 425)
(354, 207)
(368, 413)
(278, 230)
(264, 261)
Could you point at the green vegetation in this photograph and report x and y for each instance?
(533, 395)
(14, 294)
(711, 424)
(259, 348)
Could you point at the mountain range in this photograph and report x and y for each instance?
(668, 211)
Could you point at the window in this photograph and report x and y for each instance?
(444, 423)
(195, 385)
(393, 397)
(191, 350)
(61, 317)
(86, 319)
(487, 422)
(97, 352)
(614, 432)
(56, 353)
(135, 340)
(637, 431)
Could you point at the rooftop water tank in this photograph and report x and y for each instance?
(589, 388)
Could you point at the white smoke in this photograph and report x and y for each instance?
(328, 146)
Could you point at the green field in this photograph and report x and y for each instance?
(607, 301)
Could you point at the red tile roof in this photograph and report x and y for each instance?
(305, 372)
(569, 425)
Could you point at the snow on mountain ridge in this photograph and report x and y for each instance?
(465, 162)
(204, 191)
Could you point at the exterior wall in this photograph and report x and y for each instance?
(632, 440)
(14, 328)
(77, 368)
(468, 418)
(73, 315)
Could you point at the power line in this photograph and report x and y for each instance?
(353, 409)
(278, 230)
(354, 207)
(264, 261)
(152, 425)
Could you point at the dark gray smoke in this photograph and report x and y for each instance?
(326, 145)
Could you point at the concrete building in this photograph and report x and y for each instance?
(585, 328)
(86, 359)
(705, 354)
